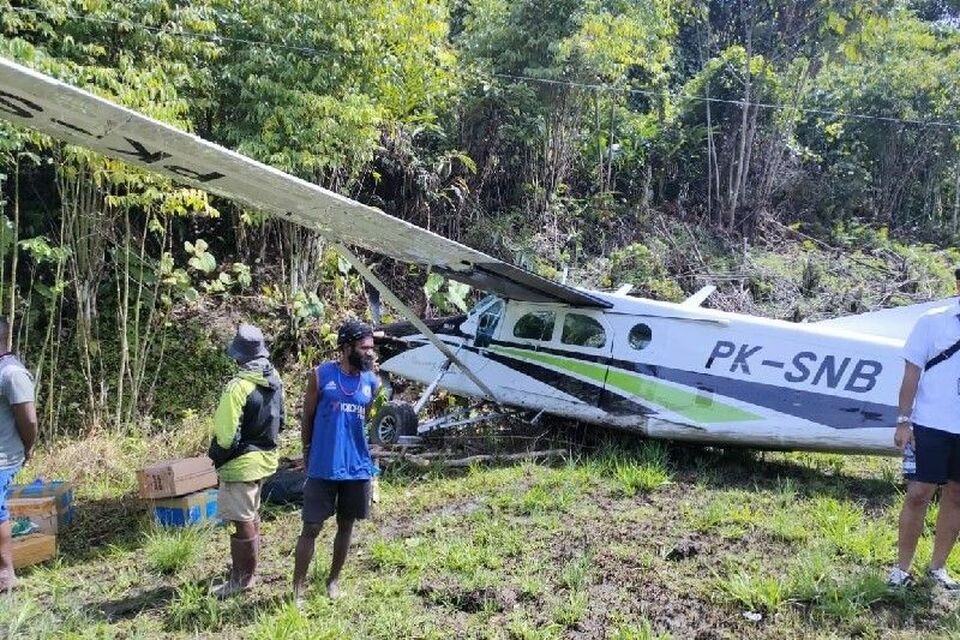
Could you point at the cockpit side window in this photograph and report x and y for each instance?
(536, 325)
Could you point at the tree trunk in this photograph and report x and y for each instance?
(12, 307)
(744, 126)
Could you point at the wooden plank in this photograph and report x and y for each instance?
(32, 549)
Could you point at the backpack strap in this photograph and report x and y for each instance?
(946, 354)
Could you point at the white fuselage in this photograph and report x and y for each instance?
(673, 371)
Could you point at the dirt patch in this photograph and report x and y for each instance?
(469, 600)
(687, 547)
(392, 526)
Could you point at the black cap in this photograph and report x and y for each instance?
(351, 331)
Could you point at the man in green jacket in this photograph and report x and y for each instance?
(244, 450)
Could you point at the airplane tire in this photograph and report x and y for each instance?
(394, 419)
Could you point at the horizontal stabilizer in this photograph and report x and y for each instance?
(889, 323)
(699, 297)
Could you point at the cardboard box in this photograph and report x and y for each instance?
(48, 504)
(40, 511)
(176, 478)
(34, 548)
(195, 508)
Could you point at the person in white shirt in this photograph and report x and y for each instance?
(928, 425)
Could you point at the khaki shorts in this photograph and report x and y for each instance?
(239, 501)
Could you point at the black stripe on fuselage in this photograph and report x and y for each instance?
(587, 392)
(832, 411)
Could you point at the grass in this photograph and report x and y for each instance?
(642, 470)
(639, 631)
(169, 550)
(571, 608)
(194, 609)
(755, 592)
(577, 549)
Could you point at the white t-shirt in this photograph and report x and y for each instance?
(937, 404)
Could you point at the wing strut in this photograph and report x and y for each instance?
(408, 313)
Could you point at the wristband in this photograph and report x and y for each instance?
(904, 420)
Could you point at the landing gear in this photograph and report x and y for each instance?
(397, 422)
(395, 419)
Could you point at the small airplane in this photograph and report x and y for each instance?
(663, 370)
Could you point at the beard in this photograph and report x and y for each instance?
(360, 361)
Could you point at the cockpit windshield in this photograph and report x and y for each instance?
(484, 302)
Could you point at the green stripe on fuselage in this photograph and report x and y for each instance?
(693, 406)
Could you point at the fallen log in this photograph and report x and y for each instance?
(434, 458)
(526, 455)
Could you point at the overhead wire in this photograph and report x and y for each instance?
(599, 87)
(197, 35)
(740, 103)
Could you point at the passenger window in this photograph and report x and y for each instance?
(640, 336)
(537, 325)
(583, 331)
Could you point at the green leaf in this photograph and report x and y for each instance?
(203, 262)
(242, 272)
(433, 284)
(457, 293)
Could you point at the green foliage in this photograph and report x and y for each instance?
(898, 67)
(196, 366)
(384, 65)
(168, 551)
(200, 259)
(638, 265)
(446, 300)
(643, 471)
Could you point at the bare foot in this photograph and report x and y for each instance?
(333, 589)
(8, 581)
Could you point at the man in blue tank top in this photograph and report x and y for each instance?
(339, 467)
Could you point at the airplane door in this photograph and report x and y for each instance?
(487, 324)
(550, 361)
(586, 345)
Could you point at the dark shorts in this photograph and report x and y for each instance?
(349, 499)
(938, 455)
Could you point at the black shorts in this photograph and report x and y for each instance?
(938, 455)
(349, 499)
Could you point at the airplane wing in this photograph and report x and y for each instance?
(890, 323)
(38, 101)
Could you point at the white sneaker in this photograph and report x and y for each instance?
(899, 578)
(943, 579)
